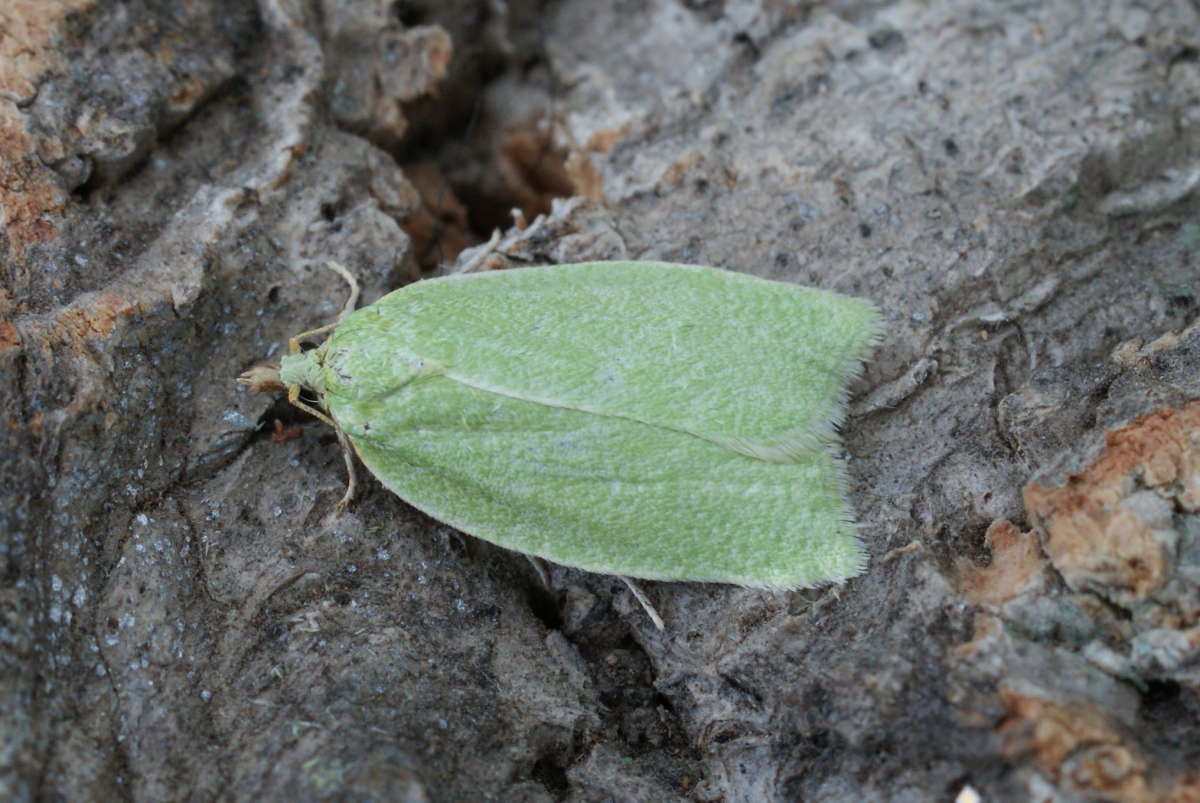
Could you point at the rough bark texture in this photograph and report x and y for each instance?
(183, 615)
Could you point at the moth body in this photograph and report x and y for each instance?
(635, 418)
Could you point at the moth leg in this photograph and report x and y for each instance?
(351, 302)
(647, 606)
(294, 399)
(351, 475)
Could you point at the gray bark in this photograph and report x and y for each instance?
(185, 617)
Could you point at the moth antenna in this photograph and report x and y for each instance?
(355, 290)
(351, 302)
(647, 606)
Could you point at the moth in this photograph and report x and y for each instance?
(642, 419)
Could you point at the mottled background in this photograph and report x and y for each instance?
(182, 617)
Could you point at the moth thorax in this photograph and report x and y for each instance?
(304, 370)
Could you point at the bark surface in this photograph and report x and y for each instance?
(182, 614)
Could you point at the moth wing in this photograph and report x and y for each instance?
(645, 419)
(606, 494)
(759, 365)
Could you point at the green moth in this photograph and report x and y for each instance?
(644, 419)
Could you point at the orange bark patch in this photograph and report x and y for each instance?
(96, 318)
(1093, 534)
(535, 170)
(585, 177)
(413, 61)
(604, 141)
(583, 174)
(1078, 746)
(29, 193)
(439, 228)
(27, 31)
(1017, 565)
(680, 168)
(9, 337)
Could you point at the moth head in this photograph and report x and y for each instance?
(305, 371)
(262, 379)
(295, 371)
